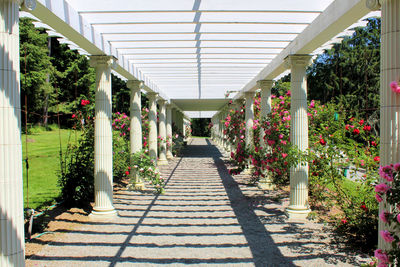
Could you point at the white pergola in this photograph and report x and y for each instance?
(191, 57)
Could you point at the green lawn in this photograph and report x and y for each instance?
(44, 165)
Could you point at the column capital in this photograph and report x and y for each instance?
(27, 5)
(134, 84)
(102, 60)
(297, 60)
(373, 4)
(161, 101)
(249, 94)
(152, 95)
(265, 84)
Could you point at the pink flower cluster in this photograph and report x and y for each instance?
(384, 192)
(395, 87)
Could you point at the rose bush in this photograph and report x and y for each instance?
(342, 159)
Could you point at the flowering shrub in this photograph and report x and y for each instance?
(342, 159)
(188, 131)
(145, 167)
(121, 124)
(160, 143)
(388, 192)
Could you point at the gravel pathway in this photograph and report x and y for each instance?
(206, 217)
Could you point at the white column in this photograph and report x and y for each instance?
(249, 117)
(389, 101)
(11, 192)
(265, 183)
(136, 128)
(265, 105)
(162, 160)
(169, 131)
(226, 142)
(182, 123)
(152, 125)
(103, 156)
(298, 207)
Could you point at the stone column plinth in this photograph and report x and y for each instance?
(299, 207)
(11, 184)
(103, 156)
(162, 158)
(389, 101)
(169, 131)
(135, 129)
(153, 125)
(265, 183)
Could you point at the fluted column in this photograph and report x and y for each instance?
(389, 101)
(227, 146)
(11, 184)
(135, 128)
(103, 156)
(152, 125)
(183, 125)
(298, 207)
(162, 158)
(169, 131)
(265, 104)
(249, 117)
(265, 183)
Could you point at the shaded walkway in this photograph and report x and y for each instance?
(206, 217)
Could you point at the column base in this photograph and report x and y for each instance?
(247, 171)
(103, 214)
(137, 186)
(169, 155)
(266, 184)
(162, 162)
(297, 214)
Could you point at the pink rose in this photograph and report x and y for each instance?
(378, 198)
(381, 255)
(395, 87)
(383, 216)
(381, 188)
(387, 236)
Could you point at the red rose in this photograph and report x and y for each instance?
(127, 172)
(363, 207)
(373, 143)
(84, 102)
(361, 122)
(347, 127)
(322, 141)
(367, 128)
(377, 159)
(356, 131)
(73, 116)
(344, 221)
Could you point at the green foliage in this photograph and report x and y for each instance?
(200, 127)
(77, 174)
(37, 72)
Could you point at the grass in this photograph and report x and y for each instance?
(44, 165)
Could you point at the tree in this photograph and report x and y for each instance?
(36, 69)
(348, 73)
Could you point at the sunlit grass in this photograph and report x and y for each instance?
(44, 165)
